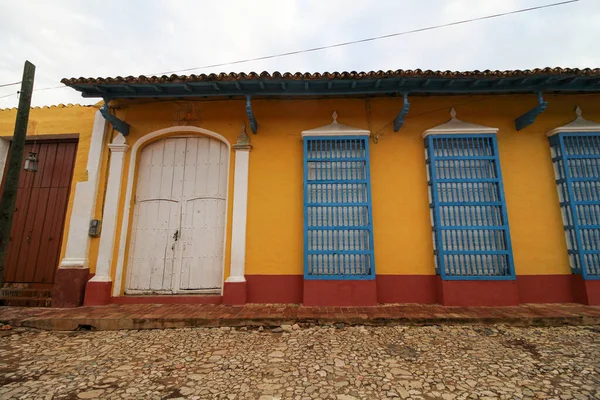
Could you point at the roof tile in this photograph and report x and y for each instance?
(232, 76)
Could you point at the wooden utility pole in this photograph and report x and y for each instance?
(9, 196)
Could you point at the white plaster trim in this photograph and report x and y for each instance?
(4, 146)
(240, 211)
(73, 262)
(236, 279)
(336, 129)
(123, 242)
(456, 126)
(579, 124)
(100, 278)
(111, 208)
(84, 202)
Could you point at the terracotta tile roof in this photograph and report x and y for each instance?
(61, 105)
(417, 73)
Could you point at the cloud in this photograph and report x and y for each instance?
(68, 38)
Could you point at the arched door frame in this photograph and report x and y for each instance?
(136, 149)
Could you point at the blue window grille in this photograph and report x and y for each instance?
(576, 159)
(468, 210)
(338, 228)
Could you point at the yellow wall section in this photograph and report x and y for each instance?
(402, 231)
(58, 120)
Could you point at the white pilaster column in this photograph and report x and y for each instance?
(118, 148)
(84, 202)
(240, 205)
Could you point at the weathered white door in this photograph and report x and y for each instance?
(179, 219)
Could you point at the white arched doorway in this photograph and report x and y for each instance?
(177, 239)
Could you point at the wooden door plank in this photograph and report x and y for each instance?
(27, 228)
(156, 170)
(191, 162)
(200, 184)
(223, 169)
(46, 154)
(144, 171)
(212, 171)
(58, 228)
(16, 234)
(179, 154)
(38, 215)
(46, 246)
(165, 179)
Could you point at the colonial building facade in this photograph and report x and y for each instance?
(459, 188)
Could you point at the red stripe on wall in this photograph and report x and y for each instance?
(275, 288)
(406, 289)
(545, 288)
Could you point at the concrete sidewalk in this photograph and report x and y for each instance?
(156, 316)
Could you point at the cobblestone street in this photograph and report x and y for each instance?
(301, 362)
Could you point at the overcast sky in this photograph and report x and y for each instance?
(76, 38)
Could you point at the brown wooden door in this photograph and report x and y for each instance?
(39, 216)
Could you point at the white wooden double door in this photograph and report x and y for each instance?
(179, 219)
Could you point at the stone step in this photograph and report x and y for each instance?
(24, 292)
(25, 301)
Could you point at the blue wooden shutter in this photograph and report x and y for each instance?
(576, 159)
(338, 229)
(468, 209)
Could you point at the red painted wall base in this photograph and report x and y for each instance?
(406, 289)
(97, 293)
(69, 287)
(168, 299)
(340, 293)
(286, 289)
(545, 288)
(424, 289)
(478, 293)
(235, 293)
(586, 291)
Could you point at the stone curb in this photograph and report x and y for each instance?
(109, 324)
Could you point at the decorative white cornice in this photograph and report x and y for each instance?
(456, 126)
(579, 124)
(119, 144)
(336, 129)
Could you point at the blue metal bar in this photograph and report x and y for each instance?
(429, 145)
(470, 252)
(578, 157)
(119, 125)
(507, 239)
(529, 117)
(399, 120)
(571, 206)
(471, 236)
(333, 159)
(340, 204)
(307, 244)
(251, 118)
(337, 197)
(475, 228)
(468, 203)
(344, 181)
(467, 180)
(339, 252)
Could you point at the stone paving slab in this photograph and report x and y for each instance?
(448, 362)
(157, 316)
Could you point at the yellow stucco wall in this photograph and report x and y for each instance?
(58, 120)
(402, 231)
